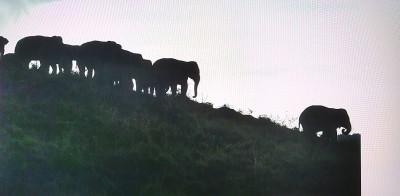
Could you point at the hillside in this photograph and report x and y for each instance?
(64, 135)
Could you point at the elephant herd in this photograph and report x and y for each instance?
(109, 63)
(112, 64)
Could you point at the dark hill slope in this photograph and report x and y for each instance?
(69, 136)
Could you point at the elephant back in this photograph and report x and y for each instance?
(38, 47)
(169, 68)
(98, 53)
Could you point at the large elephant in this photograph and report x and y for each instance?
(126, 65)
(171, 72)
(45, 49)
(320, 118)
(3, 42)
(96, 55)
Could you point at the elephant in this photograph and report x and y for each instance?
(126, 65)
(95, 55)
(145, 79)
(171, 72)
(67, 54)
(317, 118)
(45, 49)
(3, 42)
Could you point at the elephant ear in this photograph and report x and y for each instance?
(3, 40)
(344, 113)
(345, 122)
(195, 66)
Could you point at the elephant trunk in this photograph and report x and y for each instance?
(196, 85)
(347, 130)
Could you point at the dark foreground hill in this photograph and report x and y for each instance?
(69, 136)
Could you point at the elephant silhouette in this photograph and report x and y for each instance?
(320, 118)
(171, 72)
(145, 79)
(3, 42)
(95, 56)
(127, 65)
(45, 49)
(67, 54)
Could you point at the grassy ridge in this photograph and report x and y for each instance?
(68, 136)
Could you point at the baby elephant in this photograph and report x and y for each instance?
(320, 118)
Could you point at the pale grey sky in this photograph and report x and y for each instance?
(10, 10)
(273, 57)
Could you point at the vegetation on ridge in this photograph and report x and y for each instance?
(68, 136)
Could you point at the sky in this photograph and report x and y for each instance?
(270, 58)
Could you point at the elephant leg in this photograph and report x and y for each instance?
(331, 135)
(325, 136)
(123, 84)
(159, 92)
(68, 69)
(184, 88)
(138, 87)
(310, 133)
(89, 72)
(25, 62)
(163, 91)
(44, 67)
(53, 69)
(161, 88)
(151, 90)
(130, 84)
(145, 90)
(127, 85)
(81, 70)
(62, 69)
(173, 89)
